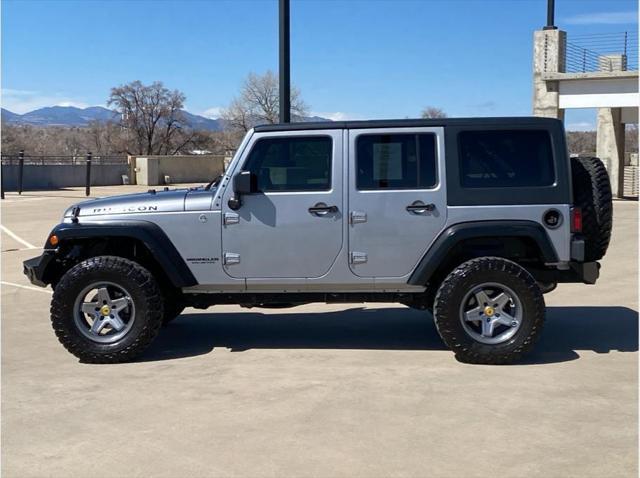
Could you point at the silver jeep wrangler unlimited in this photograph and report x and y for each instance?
(469, 219)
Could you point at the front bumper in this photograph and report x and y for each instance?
(36, 267)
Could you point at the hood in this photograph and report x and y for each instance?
(149, 202)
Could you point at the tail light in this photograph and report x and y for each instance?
(576, 219)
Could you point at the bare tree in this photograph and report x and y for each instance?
(106, 137)
(152, 116)
(433, 112)
(259, 103)
(581, 142)
(631, 138)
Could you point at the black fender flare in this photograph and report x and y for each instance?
(150, 234)
(457, 233)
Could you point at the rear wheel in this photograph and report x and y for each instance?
(489, 311)
(106, 309)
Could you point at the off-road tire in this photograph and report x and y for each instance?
(145, 294)
(463, 279)
(592, 193)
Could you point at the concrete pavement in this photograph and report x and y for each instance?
(319, 390)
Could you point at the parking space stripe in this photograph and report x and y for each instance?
(17, 238)
(28, 287)
(18, 249)
(22, 199)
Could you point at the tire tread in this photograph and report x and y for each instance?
(592, 193)
(152, 306)
(465, 348)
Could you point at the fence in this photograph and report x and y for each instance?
(22, 172)
(602, 52)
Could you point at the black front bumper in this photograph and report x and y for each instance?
(36, 267)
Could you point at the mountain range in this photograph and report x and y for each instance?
(79, 117)
(72, 116)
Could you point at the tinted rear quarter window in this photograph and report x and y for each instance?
(505, 158)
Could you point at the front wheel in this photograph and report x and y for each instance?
(489, 311)
(106, 309)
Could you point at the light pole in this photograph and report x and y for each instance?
(285, 73)
(550, 16)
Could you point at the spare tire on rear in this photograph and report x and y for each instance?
(592, 193)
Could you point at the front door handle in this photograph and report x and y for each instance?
(418, 207)
(322, 209)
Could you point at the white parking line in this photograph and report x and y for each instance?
(22, 199)
(17, 238)
(28, 287)
(18, 249)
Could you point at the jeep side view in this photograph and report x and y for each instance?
(469, 219)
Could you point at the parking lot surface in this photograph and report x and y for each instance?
(318, 390)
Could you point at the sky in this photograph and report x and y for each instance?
(351, 59)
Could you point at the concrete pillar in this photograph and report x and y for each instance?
(610, 146)
(549, 56)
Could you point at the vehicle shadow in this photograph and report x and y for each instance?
(568, 330)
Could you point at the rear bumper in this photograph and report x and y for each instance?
(579, 272)
(585, 272)
(35, 268)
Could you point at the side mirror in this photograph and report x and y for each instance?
(245, 182)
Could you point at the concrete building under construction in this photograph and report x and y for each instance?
(590, 71)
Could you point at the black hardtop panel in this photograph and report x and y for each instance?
(492, 122)
(557, 193)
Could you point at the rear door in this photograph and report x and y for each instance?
(397, 198)
(293, 227)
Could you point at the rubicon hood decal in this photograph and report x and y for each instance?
(164, 201)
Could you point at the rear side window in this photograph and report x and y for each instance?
(292, 164)
(396, 161)
(505, 158)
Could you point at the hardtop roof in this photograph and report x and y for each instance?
(411, 123)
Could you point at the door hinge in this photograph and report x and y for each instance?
(231, 218)
(358, 257)
(230, 258)
(356, 217)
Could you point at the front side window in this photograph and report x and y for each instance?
(396, 161)
(505, 158)
(291, 164)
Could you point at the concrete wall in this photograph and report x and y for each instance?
(151, 170)
(62, 175)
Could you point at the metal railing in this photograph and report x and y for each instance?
(602, 52)
(21, 159)
(48, 160)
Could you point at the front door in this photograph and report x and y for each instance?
(292, 228)
(397, 198)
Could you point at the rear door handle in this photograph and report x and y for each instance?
(322, 209)
(418, 207)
